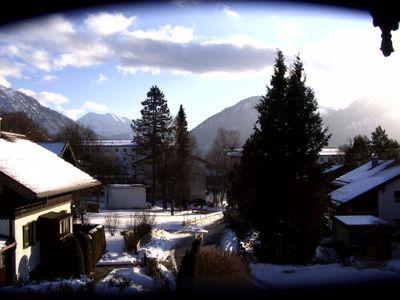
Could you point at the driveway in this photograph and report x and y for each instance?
(211, 238)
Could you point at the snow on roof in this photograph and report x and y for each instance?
(112, 143)
(330, 151)
(40, 171)
(359, 220)
(55, 147)
(364, 179)
(333, 168)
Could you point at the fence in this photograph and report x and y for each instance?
(203, 217)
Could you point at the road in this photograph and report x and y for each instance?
(212, 237)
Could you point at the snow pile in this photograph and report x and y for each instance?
(115, 252)
(125, 281)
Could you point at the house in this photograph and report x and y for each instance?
(371, 189)
(61, 149)
(333, 156)
(197, 178)
(364, 235)
(125, 196)
(122, 153)
(36, 188)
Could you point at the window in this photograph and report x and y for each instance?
(116, 149)
(397, 196)
(29, 234)
(124, 149)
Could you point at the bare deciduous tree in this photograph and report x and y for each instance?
(221, 162)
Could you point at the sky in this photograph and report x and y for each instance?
(205, 56)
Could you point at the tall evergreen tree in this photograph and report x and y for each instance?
(382, 146)
(279, 186)
(152, 132)
(182, 162)
(357, 152)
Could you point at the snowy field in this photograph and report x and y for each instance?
(130, 277)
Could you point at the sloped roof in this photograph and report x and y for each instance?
(360, 220)
(364, 179)
(37, 172)
(55, 147)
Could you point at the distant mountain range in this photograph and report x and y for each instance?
(360, 117)
(15, 101)
(108, 126)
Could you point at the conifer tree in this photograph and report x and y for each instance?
(182, 162)
(279, 186)
(382, 146)
(152, 133)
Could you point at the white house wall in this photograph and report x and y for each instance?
(27, 259)
(388, 208)
(126, 197)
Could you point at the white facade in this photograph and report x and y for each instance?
(331, 155)
(26, 259)
(123, 153)
(389, 201)
(125, 196)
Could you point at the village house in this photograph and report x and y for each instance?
(371, 189)
(36, 188)
(333, 156)
(61, 149)
(197, 178)
(123, 154)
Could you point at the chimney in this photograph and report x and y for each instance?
(374, 160)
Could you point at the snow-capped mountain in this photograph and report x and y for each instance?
(15, 101)
(360, 117)
(108, 126)
(240, 116)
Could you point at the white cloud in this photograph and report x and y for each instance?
(73, 114)
(28, 92)
(90, 55)
(287, 32)
(238, 40)
(175, 34)
(49, 77)
(5, 82)
(94, 106)
(102, 78)
(105, 23)
(151, 55)
(47, 99)
(8, 69)
(229, 12)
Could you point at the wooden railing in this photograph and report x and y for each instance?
(192, 219)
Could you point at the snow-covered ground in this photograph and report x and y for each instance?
(132, 277)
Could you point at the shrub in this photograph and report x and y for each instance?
(111, 221)
(87, 250)
(134, 235)
(236, 222)
(185, 276)
(215, 268)
(98, 242)
(138, 227)
(93, 243)
(71, 262)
